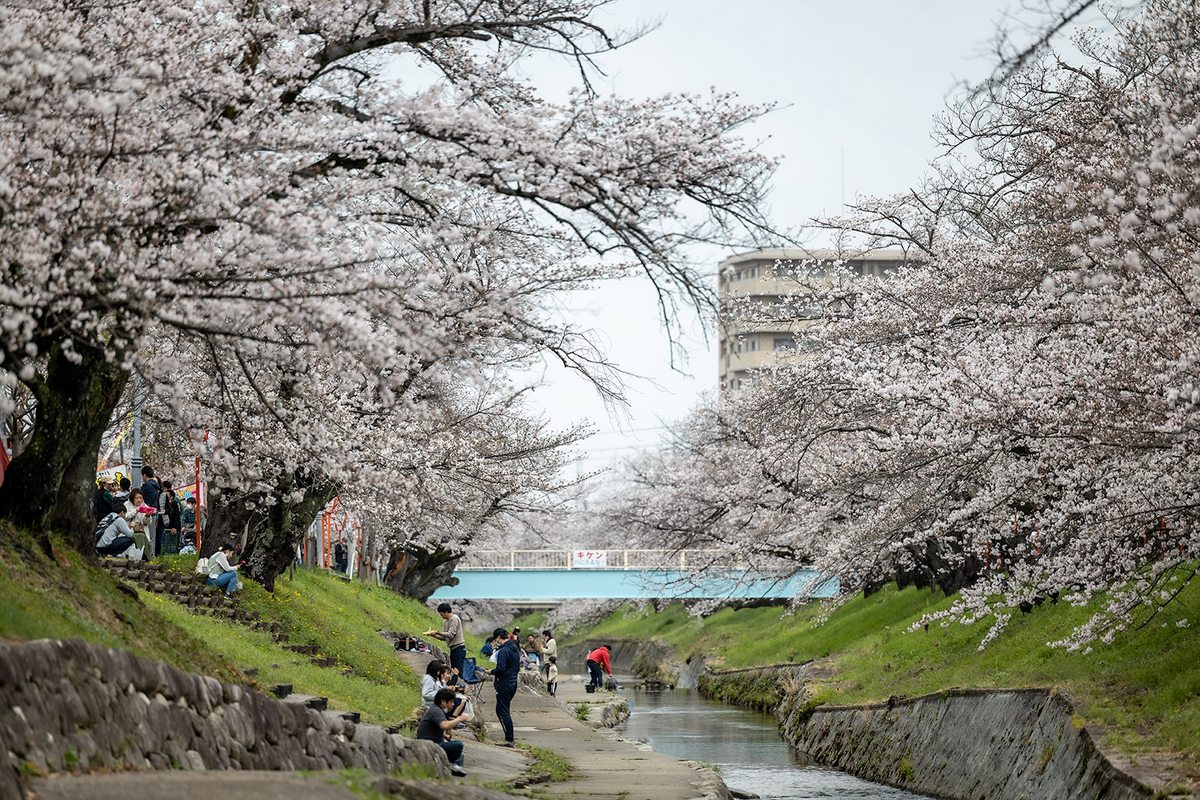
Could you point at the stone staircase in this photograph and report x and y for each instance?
(190, 590)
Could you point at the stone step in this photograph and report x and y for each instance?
(309, 701)
(303, 649)
(281, 690)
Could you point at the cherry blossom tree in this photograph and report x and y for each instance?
(1022, 403)
(262, 182)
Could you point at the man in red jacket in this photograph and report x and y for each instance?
(595, 660)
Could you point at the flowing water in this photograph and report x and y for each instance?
(745, 744)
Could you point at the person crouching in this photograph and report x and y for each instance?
(436, 723)
(220, 573)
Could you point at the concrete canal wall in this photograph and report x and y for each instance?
(1003, 744)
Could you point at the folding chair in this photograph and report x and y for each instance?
(473, 677)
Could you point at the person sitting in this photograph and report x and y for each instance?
(429, 682)
(448, 680)
(220, 573)
(138, 514)
(435, 725)
(116, 537)
(533, 650)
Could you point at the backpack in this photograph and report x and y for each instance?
(102, 526)
(202, 566)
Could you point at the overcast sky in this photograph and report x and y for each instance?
(855, 79)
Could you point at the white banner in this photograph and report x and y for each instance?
(589, 558)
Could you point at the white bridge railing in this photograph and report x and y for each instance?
(597, 559)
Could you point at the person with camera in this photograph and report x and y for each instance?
(220, 573)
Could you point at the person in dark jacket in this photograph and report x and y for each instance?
(151, 489)
(170, 518)
(103, 499)
(508, 665)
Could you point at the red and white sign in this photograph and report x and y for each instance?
(589, 558)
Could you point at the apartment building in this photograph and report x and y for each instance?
(766, 278)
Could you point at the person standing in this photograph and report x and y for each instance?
(452, 634)
(595, 660)
(437, 722)
(549, 648)
(150, 495)
(339, 557)
(552, 675)
(508, 665)
(171, 518)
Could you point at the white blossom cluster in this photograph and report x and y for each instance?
(1023, 401)
(319, 266)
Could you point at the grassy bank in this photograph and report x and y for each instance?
(1144, 688)
(67, 597)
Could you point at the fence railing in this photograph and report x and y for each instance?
(597, 559)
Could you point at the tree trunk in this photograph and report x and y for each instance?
(419, 573)
(272, 532)
(50, 484)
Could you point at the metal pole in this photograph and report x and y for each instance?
(135, 459)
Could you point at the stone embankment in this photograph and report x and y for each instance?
(69, 705)
(1005, 744)
(1001, 744)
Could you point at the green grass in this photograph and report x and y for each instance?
(342, 619)
(1145, 687)
(68, 597)
(549, 763)
(64, 597)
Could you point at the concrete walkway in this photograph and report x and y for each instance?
(604, 765)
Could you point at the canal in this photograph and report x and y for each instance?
(745, 745)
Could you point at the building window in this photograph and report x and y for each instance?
(785, 343)
(752, 345)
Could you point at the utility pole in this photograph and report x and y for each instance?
(135, 459)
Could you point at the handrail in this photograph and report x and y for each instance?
(516, 560)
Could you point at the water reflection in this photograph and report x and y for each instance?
(746, 745)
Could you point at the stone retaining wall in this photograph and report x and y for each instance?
(1004, 744)
(67, 704)
(1007, 744)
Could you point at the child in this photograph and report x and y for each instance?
(552, 675)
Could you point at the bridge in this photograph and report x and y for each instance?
(551, 575)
